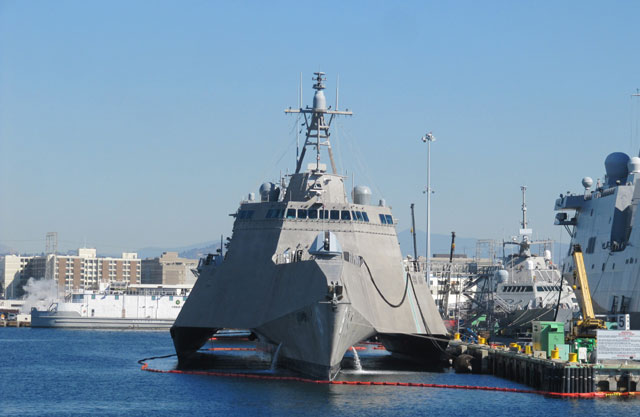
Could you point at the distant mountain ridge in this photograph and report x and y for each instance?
(194, 251)
(440, 244)
(7, 250)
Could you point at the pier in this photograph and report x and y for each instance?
(550, 375)
(14, 323)
(15, 320)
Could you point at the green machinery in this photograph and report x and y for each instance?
(547, 335)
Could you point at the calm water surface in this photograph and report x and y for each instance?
(72, 372)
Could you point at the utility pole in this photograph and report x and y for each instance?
(413, 233)
(428, 138)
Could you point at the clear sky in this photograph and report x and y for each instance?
(126, 124)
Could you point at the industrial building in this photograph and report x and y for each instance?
(169, 269)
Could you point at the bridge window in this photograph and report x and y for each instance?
(345, 215)
(365, 216)
(335, 215)
(274, 213)
(359, 216)
(313, 214)
(383, 219)
(389, 219)
(291, 213)
(302, 213)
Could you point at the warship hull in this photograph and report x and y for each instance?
(604, 221)
(313, 338)
(425, 349)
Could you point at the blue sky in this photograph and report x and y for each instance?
(126, 124)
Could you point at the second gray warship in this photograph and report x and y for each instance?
(312, 273)
(604, 221)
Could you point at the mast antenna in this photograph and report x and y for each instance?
(317, 133)
(297, 121)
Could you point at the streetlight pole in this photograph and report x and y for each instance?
(428, 138)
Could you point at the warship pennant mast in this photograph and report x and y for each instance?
(317, 128)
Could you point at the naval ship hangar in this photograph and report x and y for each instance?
(311, 273)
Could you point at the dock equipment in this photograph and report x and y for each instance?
(585, 328)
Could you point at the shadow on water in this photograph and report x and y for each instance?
(361, 363)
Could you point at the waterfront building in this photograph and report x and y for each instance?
(86, 270)
(169, 269)
(83, 271)
(15, 270)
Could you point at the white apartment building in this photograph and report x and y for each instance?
(15, 270)
(83, 271)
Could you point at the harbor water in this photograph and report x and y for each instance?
(58, 372)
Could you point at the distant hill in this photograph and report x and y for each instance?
(440, 244)
(194, 251)
(6, 250)
(197, 253)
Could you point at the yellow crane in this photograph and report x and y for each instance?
(589, 323)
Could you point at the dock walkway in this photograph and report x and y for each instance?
(552, 375)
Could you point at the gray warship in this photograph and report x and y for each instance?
(603, 219)
(311, 273)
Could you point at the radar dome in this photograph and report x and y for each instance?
(634, 164)
(587, 182)
(361, 195)
(616, 167)
(319, 102)
(501, 276)
(269, 192)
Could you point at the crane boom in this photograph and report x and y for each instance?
(587, 326)
(583, 283)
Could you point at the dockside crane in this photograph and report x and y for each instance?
(585, 328)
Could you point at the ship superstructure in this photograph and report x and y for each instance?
(603, 220)
(529, 281)
(312, 272)
(524, 287)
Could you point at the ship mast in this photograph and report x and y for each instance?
(525, 232)
(524, 206)
(317, 134)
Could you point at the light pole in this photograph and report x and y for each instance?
(428, 138)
